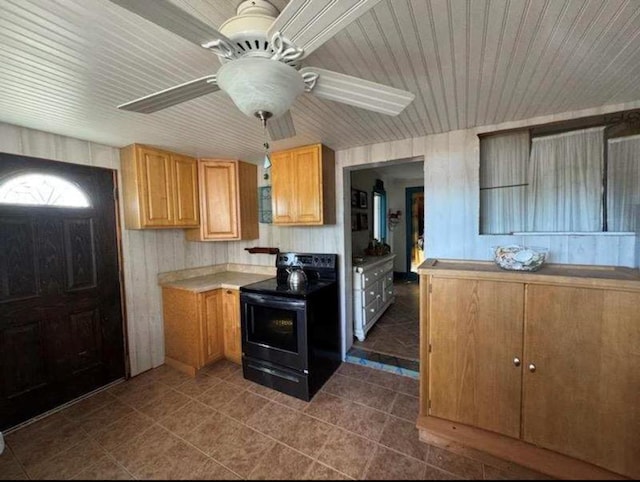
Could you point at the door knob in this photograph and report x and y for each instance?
(516, 361)
(532, 367)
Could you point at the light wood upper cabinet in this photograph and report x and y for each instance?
(228, 200)
(186, 190)
(303, 186)
(159, 188)
(473, 342)
(231, 323)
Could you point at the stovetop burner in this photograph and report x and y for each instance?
(321, 271)
(272, 286)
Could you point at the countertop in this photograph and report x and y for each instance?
(224, 279)
(615, 277)
(374, 260)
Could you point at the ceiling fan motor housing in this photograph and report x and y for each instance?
(258, 84)
(248, 29)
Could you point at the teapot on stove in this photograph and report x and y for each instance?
(297, 277)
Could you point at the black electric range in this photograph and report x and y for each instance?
(291, 337)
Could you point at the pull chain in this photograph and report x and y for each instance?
(264, 116)
(267, 158)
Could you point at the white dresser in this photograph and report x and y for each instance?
(372, 292)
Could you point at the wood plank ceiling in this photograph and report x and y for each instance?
(66, 64)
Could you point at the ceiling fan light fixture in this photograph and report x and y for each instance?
(257, 84)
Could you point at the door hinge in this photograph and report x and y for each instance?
(115, 193)
(429, 404)
(430, 288)
(430, 349)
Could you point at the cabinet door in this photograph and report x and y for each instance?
(232, 331)
(284, 178)
(185, 178)
(155, 171)
(475, 332)
(583, 397)
(308, 198)
(212, 336)
(220, 211)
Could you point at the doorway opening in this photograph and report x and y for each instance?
(384, 304)
(61, 319)
(414, 230)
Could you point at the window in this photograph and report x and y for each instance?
(580, 180)
(42, 190)
(379, 212)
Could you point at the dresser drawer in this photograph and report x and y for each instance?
(387, 293)
(371, 310)
(371, 292)
(371, 277)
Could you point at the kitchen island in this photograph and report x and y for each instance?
(539, 368)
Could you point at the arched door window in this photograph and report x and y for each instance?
(35, 189)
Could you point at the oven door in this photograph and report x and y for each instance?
(274, 329)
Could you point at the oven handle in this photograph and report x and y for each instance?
(272, 301)
(275, 373)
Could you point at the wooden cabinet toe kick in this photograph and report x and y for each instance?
(460, 437)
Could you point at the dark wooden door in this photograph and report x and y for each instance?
(61, 329)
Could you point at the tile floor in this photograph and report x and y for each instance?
(164, 425)
(397, 332)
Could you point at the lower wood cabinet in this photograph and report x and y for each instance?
(539, 368)
(231, 325)
(583, 399)
(212, 329)
(474, 341)
(200, 328)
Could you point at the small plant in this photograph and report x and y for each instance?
(376, 248)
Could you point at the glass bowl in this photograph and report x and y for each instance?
(520, 258)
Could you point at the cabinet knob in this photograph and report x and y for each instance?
(229, 292)
(372, 293)
(373, 310)
(532, 367)
(516, 361)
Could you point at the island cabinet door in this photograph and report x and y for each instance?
(475, 333)
(581, 378)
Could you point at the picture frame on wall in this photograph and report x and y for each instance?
(354, 222)
(362, 199)
(355, 198)
(363, 221)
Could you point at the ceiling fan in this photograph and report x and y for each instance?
(260, 50)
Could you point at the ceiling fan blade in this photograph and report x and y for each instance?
(281, 127)
(173, 95)
(359, 92)
(173, 18)
(309, 24)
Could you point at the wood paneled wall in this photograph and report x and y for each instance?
(451, 224)
(145, 253)
(452, 200)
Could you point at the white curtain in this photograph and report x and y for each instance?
(503, 172)
(623, 183)
(565, 182)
